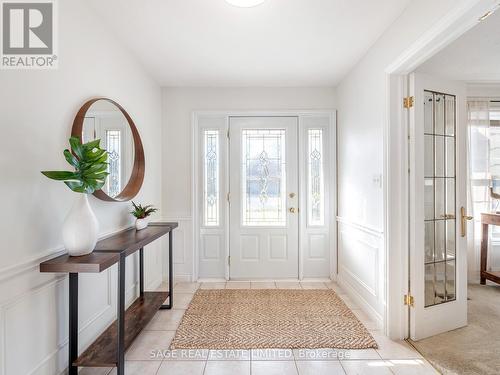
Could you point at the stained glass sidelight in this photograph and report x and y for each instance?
(211, 178)
(315, 180)
(113, 146)
(263, 177)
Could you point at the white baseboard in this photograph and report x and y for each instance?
(361, 302)
(316, 279)
(179, 278)
(210, 280)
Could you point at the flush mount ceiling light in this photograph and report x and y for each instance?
(245, 3)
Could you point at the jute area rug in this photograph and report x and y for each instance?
(270, 318)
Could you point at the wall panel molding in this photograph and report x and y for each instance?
(34, 311)
(361, 266)
(362, 227)
(32, 263)
(183, 249)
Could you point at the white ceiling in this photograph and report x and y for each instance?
(474, 57)
(279, 43)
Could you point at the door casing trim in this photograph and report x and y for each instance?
(195, 165)
(396, 186)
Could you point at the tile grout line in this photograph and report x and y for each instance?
(159, 367)
(295, 362)
(206, 363)
(342, 366)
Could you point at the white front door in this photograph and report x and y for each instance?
(264, 220)
(438, 180)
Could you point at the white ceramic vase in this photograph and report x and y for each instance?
(80, 229)
(141, 223)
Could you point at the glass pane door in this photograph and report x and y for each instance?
(263, 185)
(439, 197)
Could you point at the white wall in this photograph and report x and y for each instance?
(36, 112)
(178, 106)
(362, 115)
(484, 90)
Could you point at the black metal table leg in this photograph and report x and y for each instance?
(120, 360)
(170, 273)
(141, 271)
(73, 324)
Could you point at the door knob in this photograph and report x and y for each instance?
(465, 218)
(292, 210)
(291, 195)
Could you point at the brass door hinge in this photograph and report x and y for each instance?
(227, 133)
(408, 300)
(229, 260)
(408, 102)
(229, 197)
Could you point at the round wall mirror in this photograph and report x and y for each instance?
(104, 119)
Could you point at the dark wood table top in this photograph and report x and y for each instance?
(91, 263)
(108, 250)
(131, 240)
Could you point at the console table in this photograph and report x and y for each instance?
(486, 221)
(108, 350)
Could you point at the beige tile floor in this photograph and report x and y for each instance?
(148, 355)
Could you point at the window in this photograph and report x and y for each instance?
(211, 178)
(263, 177)
(113, 146)
(315, 179)
(484, 141)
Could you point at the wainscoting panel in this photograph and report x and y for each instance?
(361, 266)
(183, 249)
(34, 311)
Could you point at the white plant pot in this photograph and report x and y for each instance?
(141, 223)
(80, 228)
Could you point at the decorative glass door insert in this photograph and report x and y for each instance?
(439, 197)
(315, 179)
(263, 173)
(211, 178)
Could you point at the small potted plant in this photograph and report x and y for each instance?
(90, 163)
(141, 214)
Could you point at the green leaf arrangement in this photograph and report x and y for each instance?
(141, 212)
(90, 163)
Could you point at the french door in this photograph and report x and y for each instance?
(263, 186)
(438, 180)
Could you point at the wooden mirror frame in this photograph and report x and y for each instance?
(137, 176)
